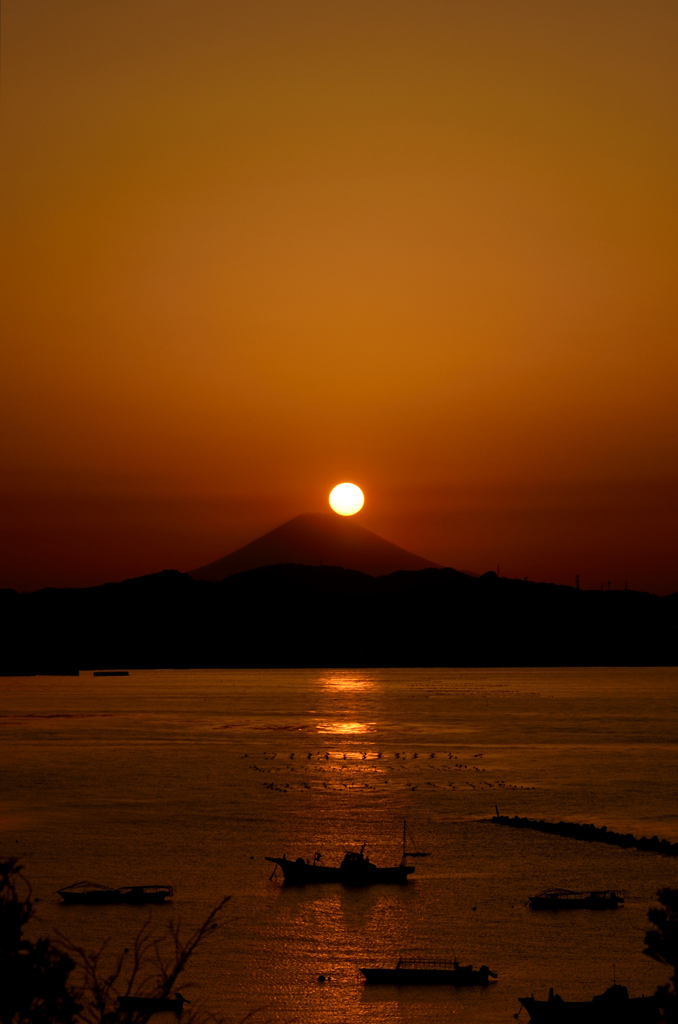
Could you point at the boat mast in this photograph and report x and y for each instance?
(404, 840)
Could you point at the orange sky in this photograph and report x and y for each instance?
(253, 248)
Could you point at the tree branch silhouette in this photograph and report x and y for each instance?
(150, 969)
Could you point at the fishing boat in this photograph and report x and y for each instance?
(614, 1006)
(94, 893)
(146, 1004)
(568, 899)
(355, 869)
(427, 972)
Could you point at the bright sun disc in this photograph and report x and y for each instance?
(346, 499)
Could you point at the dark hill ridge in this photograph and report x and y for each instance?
(325, 616)
(317, 538)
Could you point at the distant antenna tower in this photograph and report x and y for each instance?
(576, 582)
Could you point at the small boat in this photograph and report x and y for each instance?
(427, 972)
(94, 893)
(146, 1004)
(612, 1007)
(568, 899)
(408, 841)
(355, 869)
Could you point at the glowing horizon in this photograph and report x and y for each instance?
(252, 248)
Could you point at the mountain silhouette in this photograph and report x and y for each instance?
(317, 538)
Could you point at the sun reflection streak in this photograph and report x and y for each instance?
(345, 681)
(346, 728)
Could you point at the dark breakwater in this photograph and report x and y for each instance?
(590, 834)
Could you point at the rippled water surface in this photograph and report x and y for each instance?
(191, 778)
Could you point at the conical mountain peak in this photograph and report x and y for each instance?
(317, 538)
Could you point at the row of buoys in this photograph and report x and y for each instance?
(285, 788)
(366, 754)
(590, 834)
(344, 759)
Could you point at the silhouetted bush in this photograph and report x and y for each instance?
(661, 943)
(34, 976)
(43, 984)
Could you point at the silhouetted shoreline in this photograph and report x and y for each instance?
(590, 834)
(300, 616)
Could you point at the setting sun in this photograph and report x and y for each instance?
(346, 499)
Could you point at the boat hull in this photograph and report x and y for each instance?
(586, 903)
(134, 895)
(403, 976)
(91, 898)
(141, 1004)
(596, 1011)
(298, 872)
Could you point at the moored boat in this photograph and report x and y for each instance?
(355, 869)
(428, 972)
(94, 893)
(568, 899)
(614, 1006)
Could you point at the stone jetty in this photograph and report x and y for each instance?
(590, 834)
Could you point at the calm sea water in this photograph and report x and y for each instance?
(191, 778)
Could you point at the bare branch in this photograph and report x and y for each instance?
(151, 970)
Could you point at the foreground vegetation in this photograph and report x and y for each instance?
(45, 983)
(661, 943)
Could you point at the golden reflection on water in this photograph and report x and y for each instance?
(299, 791)
(346, 728)
(353, 685)
(346, 681)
